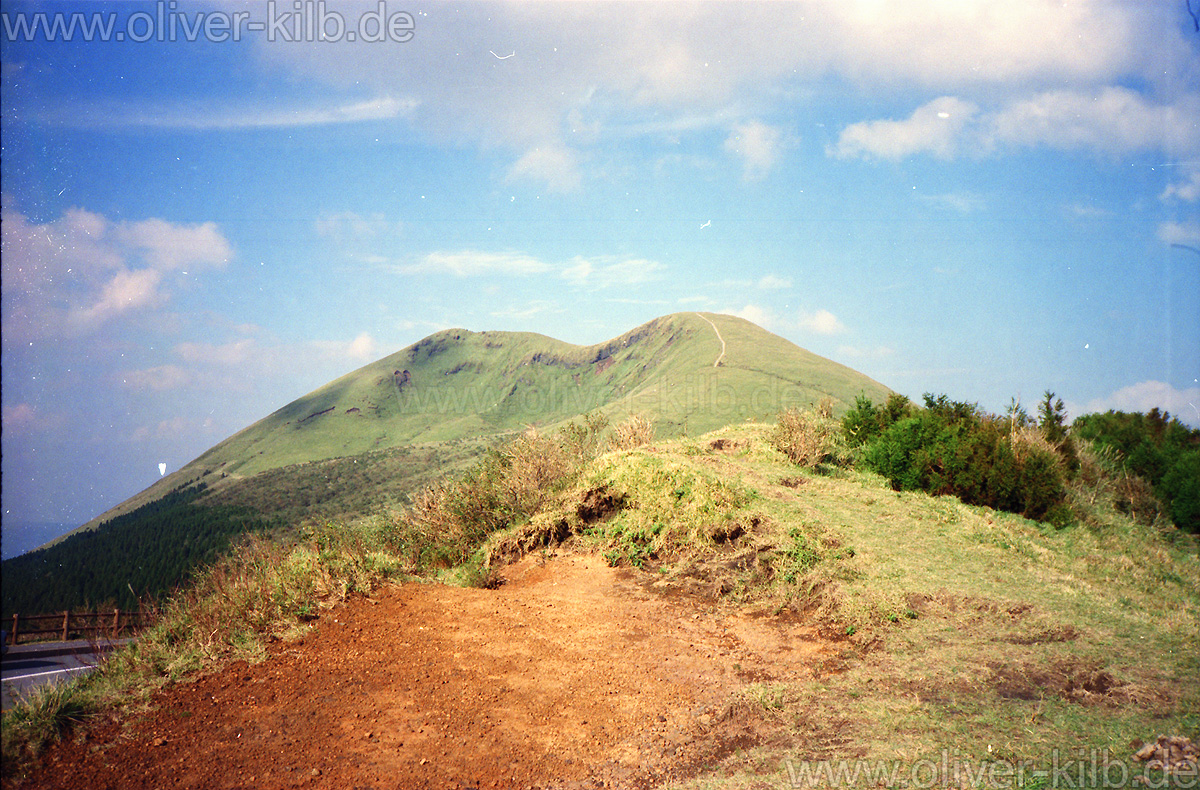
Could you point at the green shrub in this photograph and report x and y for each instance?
(1157, 448)
(865, 422)
(953, 448)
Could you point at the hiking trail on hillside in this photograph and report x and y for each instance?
(720, 356)
(571, 674)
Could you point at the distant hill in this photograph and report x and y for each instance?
(370, 438)
(686, 372)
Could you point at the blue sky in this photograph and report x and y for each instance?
(986, 199)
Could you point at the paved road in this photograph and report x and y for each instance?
(25, 667)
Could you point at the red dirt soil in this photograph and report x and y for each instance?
(570, 675)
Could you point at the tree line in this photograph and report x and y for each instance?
(144, 554)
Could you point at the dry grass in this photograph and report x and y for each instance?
(807, 438)
(631, 434)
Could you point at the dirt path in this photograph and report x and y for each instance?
(569, 675)
(720, 356)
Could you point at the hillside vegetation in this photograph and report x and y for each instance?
(960, 625)
(458, 386)
(371, 440)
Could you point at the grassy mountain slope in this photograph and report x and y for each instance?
(966, 629)
(453, 390)
(946, 630)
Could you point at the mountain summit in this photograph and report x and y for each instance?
(685, 372)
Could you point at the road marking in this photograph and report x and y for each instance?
(48, 672)
(718, 331)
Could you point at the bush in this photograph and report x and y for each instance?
(865, 422)
(953, 448)
(807, 438)
(1157, 448)
(632, 433)
(451, 519)
(1181, 488)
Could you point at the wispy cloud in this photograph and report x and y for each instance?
(475, 263)
(771, 282)
(348, 226)
(1187, 190)
(822, 322)
(1186, 232)
(76, 273)
(759, 146)
(819, 322)
(156, 379)
(554, 164)
(116, 116)
(234, 352)
(529, 310)
(1110, 120)
(935, 128)
(609, 272)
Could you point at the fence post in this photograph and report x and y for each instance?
(16, 619)
(116, 622)
(66, 623)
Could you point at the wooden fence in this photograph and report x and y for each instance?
(77, 625)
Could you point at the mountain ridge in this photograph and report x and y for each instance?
(686, 372)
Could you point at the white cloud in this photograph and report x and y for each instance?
(126, 290)
(474, 263)
(156, 379)
(1146, 395)
(112, 115)
(755, 314)
(82, 270)
(759, 146)
(684, 59)
(671, 68)
(363, 349)
(1111, 120)
(1187, 190)
(554, 164)
(933, 128)
(349, 227)
(771, 282)
(822, 322)
(1108, 120)
(608, 272)
(165, 245)
(1187, 232)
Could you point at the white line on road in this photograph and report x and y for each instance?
(48, 672)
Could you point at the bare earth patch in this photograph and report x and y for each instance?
(571, 674)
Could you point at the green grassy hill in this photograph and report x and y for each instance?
(444, 397)
(367, 441)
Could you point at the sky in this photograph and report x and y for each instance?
(209, 211)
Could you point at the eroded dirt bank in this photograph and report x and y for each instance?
(571, 674)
